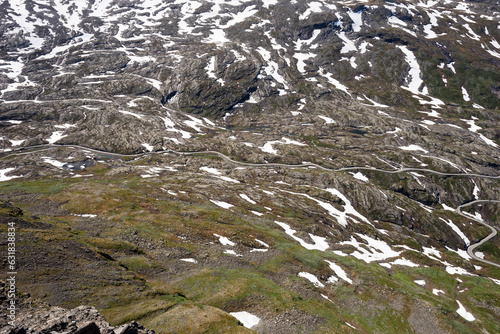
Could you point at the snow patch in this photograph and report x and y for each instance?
(56, 136)
(211, 170)
(222, 204)
(232, 252)
(53, 162)
(319, 242)
(268, 147)
(413, 148)
(224, 241)
(248, 199)
(360, 176)
(328, 120)
(339, 271)
(404, 262)
(420, 282)
(437, 292)
(4, 172)
(189, 260)
(374, 250)
(465, 95)
(247, 319)
(457, 230)
(464, 313)
(311, 278)
(414, 80)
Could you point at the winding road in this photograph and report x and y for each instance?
(470, 249)
(45, 147)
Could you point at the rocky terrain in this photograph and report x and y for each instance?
(252, 166)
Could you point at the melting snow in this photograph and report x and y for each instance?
(56, 136)
(431, 252)
(480, 255)
(404, 262)
(272, 67)
(457, 270)
(328, 120)
(471, 34)
(414, 75)
(125, 112)
(496, 281)
(465, 94)
(433, 113)
(413, 148)
(247, 319)
(65, 126)
(189, 260)
(357, 20)
(348, 44)
(262, 243)
(53, 162)
(420, 282)
(268, 147)
(231, 252)
(396, 130)
(326, 297)
(311, 278)
(348, 324)
(339, 215)
(374, 103)
(378, 249)
(476, 190)
(4, 177)
(248, 199)
(360, 176)
(211, 170)
(457, 230)
(474, 128)
(339, 271)
(258, 250)
(314, 7)
(460, 252)
(393, 20)
(194, 123)
(16, 142)
(222, 204)
(87, 215)
(217, 36)
(319, 242)
(437, 292)
(301, 65)
(463, 312)
(211, 68)
(224, 241)
(333, 81)
(476, 215)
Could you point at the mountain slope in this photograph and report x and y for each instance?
(322, 165)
